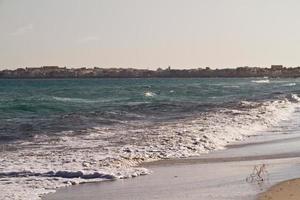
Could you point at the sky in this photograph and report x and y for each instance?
(149, 33)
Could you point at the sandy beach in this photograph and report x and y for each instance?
(216, 176)
(287, 190)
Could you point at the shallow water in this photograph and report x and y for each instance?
(206, 177)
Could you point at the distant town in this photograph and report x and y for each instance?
(64, 72)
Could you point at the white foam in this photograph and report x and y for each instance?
(74, 100)
(261, 81)
(231, 86)
(103, 153)
(80, 100)
(149, 94)
(289, 84)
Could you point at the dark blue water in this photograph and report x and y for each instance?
(30, 107)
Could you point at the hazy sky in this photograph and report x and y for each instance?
(149, 33)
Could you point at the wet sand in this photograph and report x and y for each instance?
(287, 190)
(218, 175)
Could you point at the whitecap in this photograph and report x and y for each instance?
(294, 97)
(80, 100)
(74, 100)
(289, 84)
(261, 81)
(231, 86)
(149, 94)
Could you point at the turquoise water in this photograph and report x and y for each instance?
(29, 107)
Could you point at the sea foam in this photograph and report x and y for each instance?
(261, 81)
(149, 94)
(289, 84)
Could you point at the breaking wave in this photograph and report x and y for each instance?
(231, 86)
(149, 94)
(289, 84)
(74, 100)
(261, 81)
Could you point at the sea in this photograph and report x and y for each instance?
(61, 132)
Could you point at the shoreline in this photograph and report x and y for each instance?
(172, 179)
(168, 171)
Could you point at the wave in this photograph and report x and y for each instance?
(149, 94)
(289, 84)
(60, 174)
(261, 81)
(74, 100)
(102, 153)
(293, 98)
(88, 101)
(231, 86)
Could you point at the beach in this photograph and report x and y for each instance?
(287, 190)
(182, 181)
(217, 176)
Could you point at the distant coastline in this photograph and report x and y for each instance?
(46, 72)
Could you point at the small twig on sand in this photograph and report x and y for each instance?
(259, 174)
